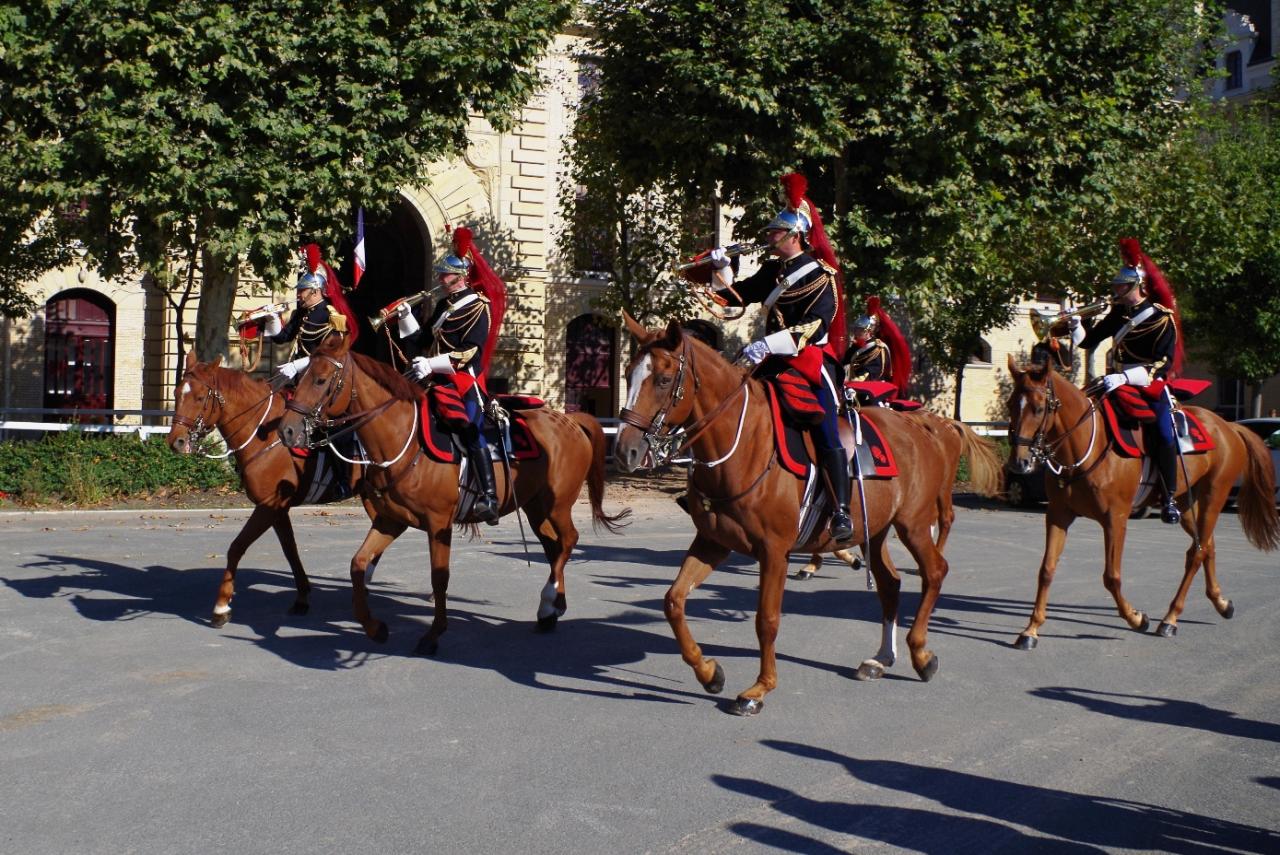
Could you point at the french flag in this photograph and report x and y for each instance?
(359, 265)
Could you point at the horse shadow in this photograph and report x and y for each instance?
(1170, 711)
(996, 813)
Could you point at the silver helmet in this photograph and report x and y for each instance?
(790, 221)
(1129, 276)
(865, 323)
(311, 280)
(452, 264)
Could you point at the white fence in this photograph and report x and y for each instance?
(26, 420)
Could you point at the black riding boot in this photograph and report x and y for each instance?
(1167, 463)
(486, 508)
(836, 467)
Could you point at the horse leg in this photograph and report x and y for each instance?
(1113, 531)
(946, 519)
(1199, 525)
(289, 545)
(558, 536)
(888, 589)
(259, 521)
(1056, 523)
(809, 570)
(381, 534)
(441, 543)
(773, 577)
(933, 570)
(702, 557)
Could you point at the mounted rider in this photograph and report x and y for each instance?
(804, 325)
(1146, 352)
(879, 352)
(321, 310)
(458, 341)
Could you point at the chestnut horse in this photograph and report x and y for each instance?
(246, 411)
(742, 500)
(403, 487)
(1052, 420)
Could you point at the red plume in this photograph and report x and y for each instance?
(1130, 251)
(1160, 290)
(311, 257)
(482, 278)
(795, 186)
(332, 288)
(899, 351)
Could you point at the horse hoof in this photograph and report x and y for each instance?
(715, 685)
(1230, 610)
(746, 706)
(380, 633)
(426, 646)
(803, 575)
(547, 624)
(856, 565)
(299, 608)
(869, 670)
(1167, 630)
(219, 621)
(1145, 625)
(1026, 642)
(927, 672)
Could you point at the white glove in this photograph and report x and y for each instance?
(1111, 382)
(782, 343)
(1137, 376)
(441, 364)
(719, 258)
(289, 370)
(1077, 332)
(424, 367)
(271, 326)
(756, 352)
(405, 320)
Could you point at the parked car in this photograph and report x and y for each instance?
(1028, 491)
(1269, 430)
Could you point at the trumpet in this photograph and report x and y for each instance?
(391, 310)
(1057, 325)
(261, 314)
(731, 250)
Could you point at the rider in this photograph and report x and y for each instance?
(321, 310)
(1146, 353)
(459, 340)
(879, 352)
(801, 299)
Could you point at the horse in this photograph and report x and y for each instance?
(740, 500)
(246, 412)
(403, 487)
(957, 440)
(1053, 420)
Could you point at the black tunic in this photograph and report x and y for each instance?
(308, 326)
(1150, 343)
(807, 305)
(462, 335)
(870, 362)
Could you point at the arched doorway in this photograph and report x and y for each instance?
(589, 372)
(79, 351)
(397, 252)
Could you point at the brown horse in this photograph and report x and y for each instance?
(403, 487)
(1052, 420)
(956, 439)
(246, 412)
(742, 501)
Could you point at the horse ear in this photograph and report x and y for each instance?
(191, 360)
(217, 360)
(638, 331)
(1014, 369)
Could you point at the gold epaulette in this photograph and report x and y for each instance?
(337, 320)
(827, 267)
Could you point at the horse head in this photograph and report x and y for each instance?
(1035, 412)
(197, 404)
(323, 391)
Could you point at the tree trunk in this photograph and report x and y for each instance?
(1255, 400)
(217, 294)
(959, 391)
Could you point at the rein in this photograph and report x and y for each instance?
(198, 428)
(1046, 451)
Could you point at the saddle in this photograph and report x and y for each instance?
(875, 458)
(439, 432)
(1127, 412)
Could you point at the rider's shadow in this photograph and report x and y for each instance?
(1168, 711)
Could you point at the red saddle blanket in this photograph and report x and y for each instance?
(874, 455)
(1126, 434)
(439, 445)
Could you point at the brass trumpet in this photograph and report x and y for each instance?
(389, 311)
(731, 250)
(1059, 324)
(261, 314)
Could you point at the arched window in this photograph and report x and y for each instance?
(588, 381)
(79, 350)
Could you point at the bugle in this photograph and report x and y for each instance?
(730, 251)
(391, 310)
(1058, 324)
(261, 314)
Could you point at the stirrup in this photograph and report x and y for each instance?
(841, 526)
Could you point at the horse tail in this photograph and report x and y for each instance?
(986, 474)
(595, 476)
(1257, 499)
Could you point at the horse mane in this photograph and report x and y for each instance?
(388, 378)
(228, 380)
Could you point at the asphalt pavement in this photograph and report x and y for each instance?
(128, 724)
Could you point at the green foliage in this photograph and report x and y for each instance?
(87, 468)
(231, 128)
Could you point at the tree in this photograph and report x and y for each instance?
(947, 131)
(231, 129)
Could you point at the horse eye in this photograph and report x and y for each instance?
(663, 382)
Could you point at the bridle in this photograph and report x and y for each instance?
(1042, 450)
(311, 416)
(349, 422)
(204, 423)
